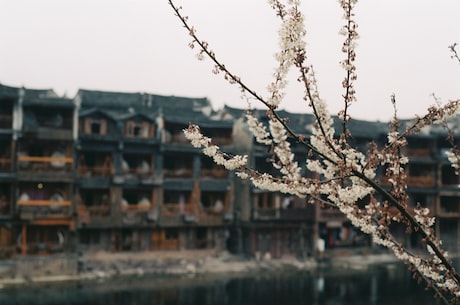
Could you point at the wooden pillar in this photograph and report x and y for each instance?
(196, 166)
(24, 240)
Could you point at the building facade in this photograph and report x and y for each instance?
(110, 171)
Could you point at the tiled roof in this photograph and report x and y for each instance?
(6, 91)
(184, 110)
(302, 122)
(46, 97)
(33, 94)
(49, 102)
(175, 103)
(29, 94)
(138, 101)
(236, 113)
(109, 100)
(362, 129)
(173, 109)
(92, 111)
(126, 116)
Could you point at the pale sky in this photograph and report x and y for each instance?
(140, 46)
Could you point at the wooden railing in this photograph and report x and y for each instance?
(414, 181)
(45, 159)
(174, 209)
(95, 171)
(64, 203)
(44, 163)
(99, 210)
(417, 152)
(183, 173)
(136, 207)
(214, 173)
(420, 181)
(267, 213)
(138, 171)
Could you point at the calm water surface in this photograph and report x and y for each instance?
(381, 285)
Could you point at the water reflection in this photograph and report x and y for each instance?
(382, 286)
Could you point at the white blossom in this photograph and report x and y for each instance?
(258, 129)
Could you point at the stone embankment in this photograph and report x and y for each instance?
(103, 265)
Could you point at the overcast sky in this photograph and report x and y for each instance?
(140, 46)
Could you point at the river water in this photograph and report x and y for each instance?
(384, 285)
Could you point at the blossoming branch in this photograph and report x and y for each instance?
(341, 175)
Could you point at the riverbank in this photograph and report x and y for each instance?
(104, 265)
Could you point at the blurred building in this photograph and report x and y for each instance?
(113, 171)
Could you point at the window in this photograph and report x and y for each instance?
(268, 201)
(138, 129)
(95, 126)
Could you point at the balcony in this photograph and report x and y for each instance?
(95, 169)
(136, 208)
(176, 209)
(44, 203)
(421, 181)
(52, 167)
(214, 208)
(44, 199)
(137, 167)
(215, 173)
(178, 173)
(43, 209)
(99, 210)
(213, 217)
(417, 152)
(48, 163)
(138, 214)
(266, 214)
(94, 215)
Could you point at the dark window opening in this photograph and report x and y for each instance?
(137, 131)
(95, 127)
(90, 237)
(171, 234)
